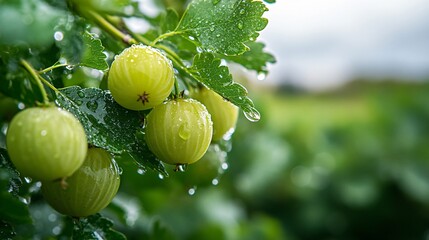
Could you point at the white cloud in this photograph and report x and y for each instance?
(319, 43)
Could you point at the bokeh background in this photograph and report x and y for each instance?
(341, 151)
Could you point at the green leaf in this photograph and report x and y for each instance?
(169, 21)
(223, 26)
(12, 210)
(71, 44)
(208, 70)
(255, 59)
(108, 125)
(6, 230)
(93, 55)
(96, 227)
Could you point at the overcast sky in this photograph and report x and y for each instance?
(320, 43)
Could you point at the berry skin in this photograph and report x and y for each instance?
(90, 189)
(46, 143)
(140, 78)
(179, 131)
(224, 114)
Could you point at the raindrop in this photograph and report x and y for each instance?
(218, 35)
(43, 133)
(180, 168)
(191, 191)
(120, 170)
(261, 76)
(191, 38)
(79, 102)
(28, 180)
(240, 25)
(212, 28)
(52, 217)
(242, 11)
(69, 67)
(141, 171)
(252, 115)
(92, 105)
(58, 36)
(56, 230)
(184, 131)
(224, 166)
(215, 181)
(215, 2)
(161, 176)
(21, 105)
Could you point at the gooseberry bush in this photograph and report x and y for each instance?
(89, 86)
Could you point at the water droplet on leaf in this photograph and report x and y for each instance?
(242, 11)
(141, 171)
(92, 106)
(215, 181)
(215, 2)
(79, 102)
(161, 176)
(240, 25)
(252, 115)
(261, 76)
(81, 94)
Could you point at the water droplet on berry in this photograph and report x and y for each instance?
(184, 131)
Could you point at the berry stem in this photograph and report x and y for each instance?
(35, 77)
(52, 68)
(108, 27)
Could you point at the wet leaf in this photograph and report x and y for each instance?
(96, 227)
(208, 70)
(107, 124)
(93, 55)
(254, 59)
(223, 26)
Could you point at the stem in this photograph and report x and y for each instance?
(108, 27)
(52, 68)
(35, 76)
(163, 36)
(49, 85)
(176, 87)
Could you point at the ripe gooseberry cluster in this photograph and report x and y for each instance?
(178, 131)
(49, 144)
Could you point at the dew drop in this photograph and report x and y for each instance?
(215, 181)
(120, 170)
(252, 115)
(224, 166)
(56, 230)
(191, 191)
(81, 94)
(180, 168)
(141, 171)
(69, 67)
(242, 11)
(240, 25)
(79, 102)
(43, 133)
(184, 131)
(212, 28)
(27, 179)
(21, 105)
(215, 2)
(261, 76)
(161, 176)
(58, 36)
(92, 105)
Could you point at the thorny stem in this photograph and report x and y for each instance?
(52, 68)
(35, 76)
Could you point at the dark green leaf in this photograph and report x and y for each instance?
(71, 44)
(169, 21)
(255, 59)
(223, 26)
(12, 210)
(96, 227)
(208, 70)
(93, 55)
(107, 124)
(6, 230)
